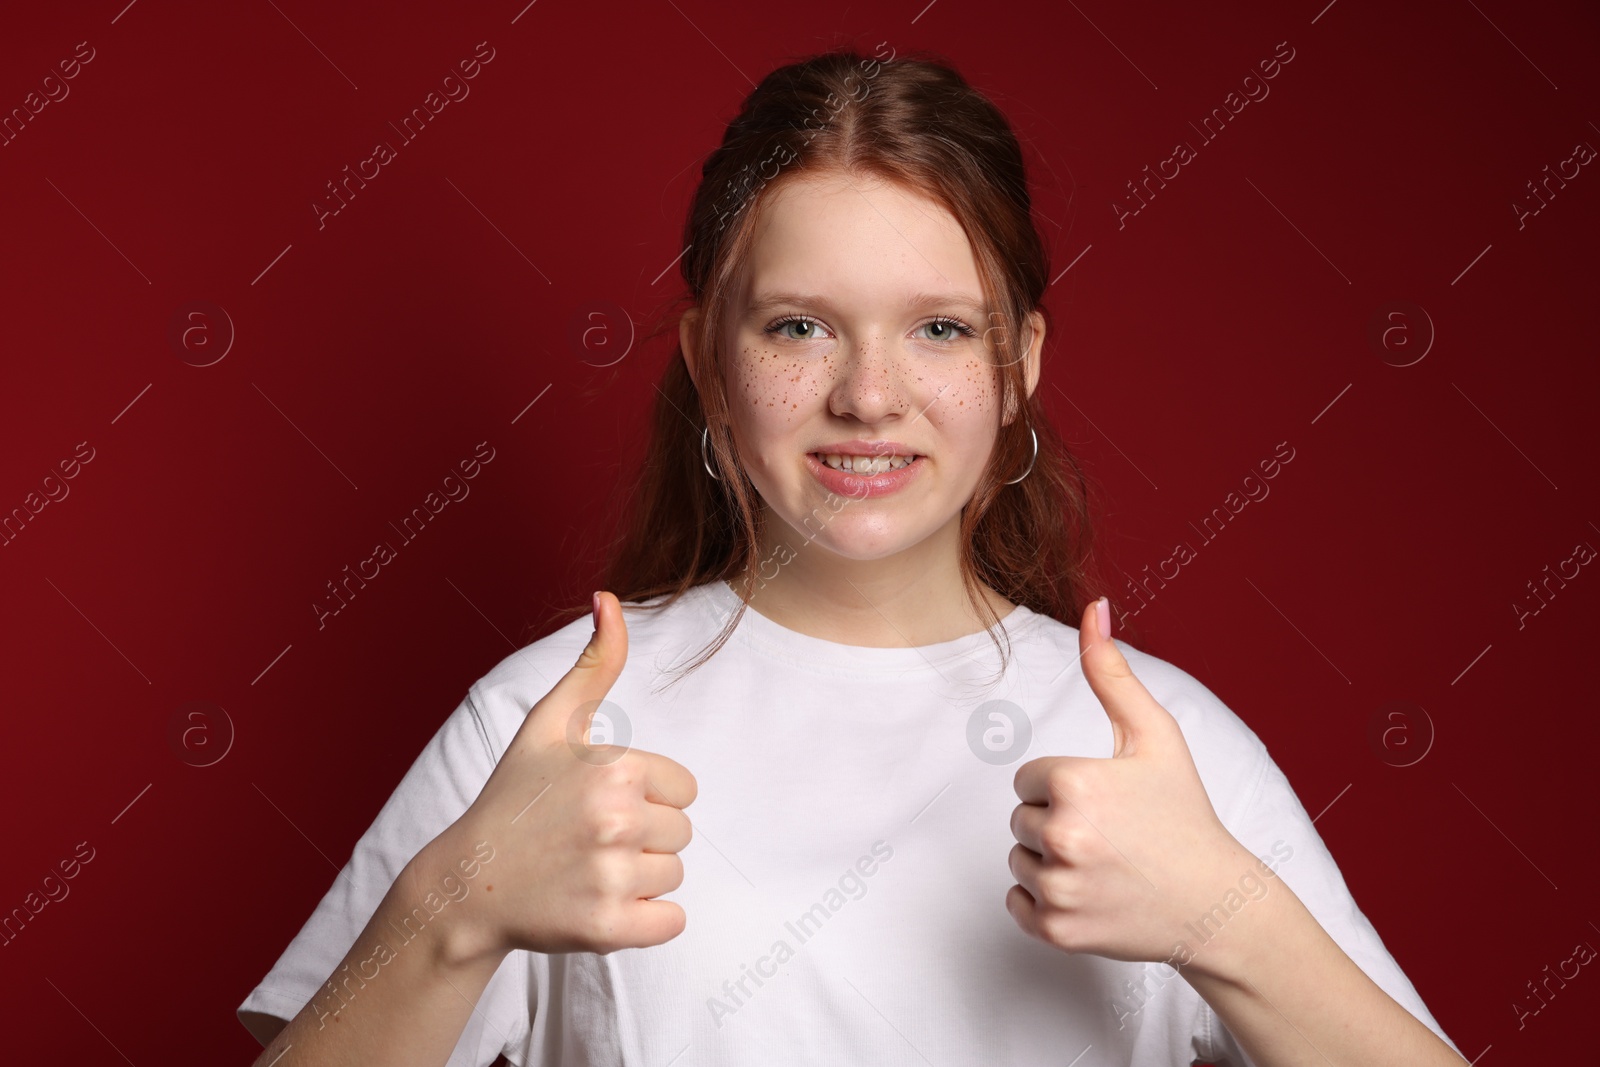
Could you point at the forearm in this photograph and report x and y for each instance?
(1291, 995)
(391, 1000)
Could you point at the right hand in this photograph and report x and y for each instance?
(575, 869)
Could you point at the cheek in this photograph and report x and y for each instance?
(771, 392)
(769, 396)
(978, 383)
(966, 390)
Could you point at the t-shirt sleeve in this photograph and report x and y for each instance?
(442, 782)
(1273, 824)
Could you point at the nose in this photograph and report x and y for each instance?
(870, 381)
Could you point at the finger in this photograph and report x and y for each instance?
(1038, 780)
(658, 874)
(1026, 866)
(651, 922)
(1027, 825)
(1024, 911)
(1137, 720)
(666, 780)
(567, 711)
(664, 829)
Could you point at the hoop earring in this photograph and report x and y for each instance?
(1031, 462)
(703, 436)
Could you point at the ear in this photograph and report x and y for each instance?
(688, 334)
(1030, 358)
(1035, 348)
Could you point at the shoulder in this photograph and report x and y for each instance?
(503, 697)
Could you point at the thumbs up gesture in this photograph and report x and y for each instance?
(1115, 855)
(584, 836)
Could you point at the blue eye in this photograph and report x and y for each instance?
(956, 324)
(790, 320)
(945, 322)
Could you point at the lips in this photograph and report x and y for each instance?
(862, 486)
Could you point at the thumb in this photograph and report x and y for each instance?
(567, 711)
(1136, 718)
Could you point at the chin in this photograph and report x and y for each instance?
(862, 544)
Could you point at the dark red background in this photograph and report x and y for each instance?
(379, 350)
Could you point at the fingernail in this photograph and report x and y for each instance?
(1102, 609)
(595, 599)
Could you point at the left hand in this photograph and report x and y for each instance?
(1115, 855)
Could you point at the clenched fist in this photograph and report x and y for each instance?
(584, 836)
(1114, 855)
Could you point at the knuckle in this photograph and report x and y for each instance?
(612, 880)
(613, 826)
(602, 797)
(1013, 862)
(1065, 781)
(604, 890)
(623, 772)
(1060, 839)
(1060, 927)
(1116, 668)
(1058, 886)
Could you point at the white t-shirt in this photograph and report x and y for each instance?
(845, 886)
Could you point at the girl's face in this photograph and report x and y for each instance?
(860, 316)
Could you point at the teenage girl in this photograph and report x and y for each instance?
(941, 815)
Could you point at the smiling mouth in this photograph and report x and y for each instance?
(864, 465)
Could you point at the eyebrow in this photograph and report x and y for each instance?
(916, 301)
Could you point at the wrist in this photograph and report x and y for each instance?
(443, 886)
(1230, 941)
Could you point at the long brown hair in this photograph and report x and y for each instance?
(914, 121)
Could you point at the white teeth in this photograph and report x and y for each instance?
(863, 464)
